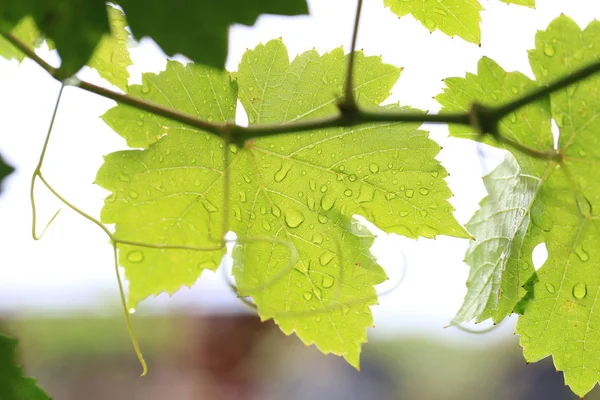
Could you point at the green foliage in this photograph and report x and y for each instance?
(453, 17)
(300, 254)
(78, 27)
(303, 259)
(5, 170)
(27, 32)
(203, 24)
(13, 385)
(561, 202)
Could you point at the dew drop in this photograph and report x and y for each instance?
(307, 295)
(374, 168)
(431, 25)
(440, 11)
(317, 238)
(550, 288)
(327, 281)
(293, 218)
(124, 178)
(282, 173)
(582, 254)
(352, 178)
(326, 258)
(133, 194)
(404, 213)
(348, 192)
(549, 50)
(322, 219)
(514, 89)
(312, 184)
(424, 191)
(237, 213)
(243, 196)
(324, 188)
(409, 193)
(266, 226)
(247, 178)
(494, 96)
(327, 202)
(276, 211)
(135, 256)
(513, 117)
(145, 89)
(263, 210)
(579, 290)
(435, 174)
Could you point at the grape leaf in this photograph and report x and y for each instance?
(560, 316)
(495, 279)
(197, 29)
(500, 258)
(75, 26)
(27, 32)
(5, 170)
(111, 58)
(452, 17)
(300, 255)
(13, 385)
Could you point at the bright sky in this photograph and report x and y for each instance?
(70, 269)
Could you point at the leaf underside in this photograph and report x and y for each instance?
(560, 314)
(300, 255)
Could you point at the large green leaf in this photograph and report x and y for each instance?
(198, 29)
(300, 255)
(453, 17)
(13, 385)
(560, 310)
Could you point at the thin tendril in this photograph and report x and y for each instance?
(460, 327)
(126, 312)
(37, 172)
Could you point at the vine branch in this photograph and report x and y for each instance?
(483, 119)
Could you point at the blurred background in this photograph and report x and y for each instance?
(59, 295)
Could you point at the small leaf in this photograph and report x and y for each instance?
(27, 32)
(111, 58)
(75, 26)
(452, 17)
(13, 385)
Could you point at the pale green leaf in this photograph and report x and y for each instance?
(500, 257)
(500, 264)
(563, 317)
(526, 3)
(165, 195)
(560, 310)
(453, 17)
(27, 32)
(111, 58)
(300, 255)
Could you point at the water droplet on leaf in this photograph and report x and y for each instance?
(582, 254)
(549, 50)
(307, 295)
(135, 256)
(374, 168)
(293, 218)
(409, 193)
(550, 288)
(579, 290)
(327, 281)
